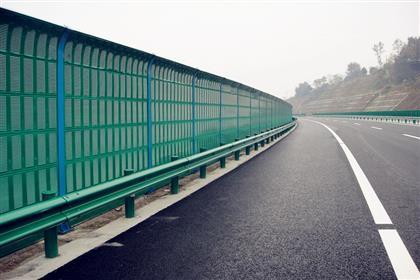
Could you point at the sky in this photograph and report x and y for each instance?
(269, 45)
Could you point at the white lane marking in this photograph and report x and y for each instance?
(374, 127)
(357, 123)
(380, 216)
(415, 137)
(403, 264)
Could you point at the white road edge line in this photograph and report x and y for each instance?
(403, 264)
(357, 123)
(412, 136)
(380, 216)
(374, 127)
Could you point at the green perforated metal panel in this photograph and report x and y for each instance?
(27, 114)
(110, 124)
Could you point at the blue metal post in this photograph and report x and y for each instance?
(237, 113)
(194, 137)
(61, 148)
(149, 113)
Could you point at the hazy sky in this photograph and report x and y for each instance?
(269, 45)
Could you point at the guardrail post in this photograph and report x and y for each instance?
(223, 162)
(248, 150)
(50, 235)
(256, 144)
(263, 143)
(237, 153)
(174, 180)
(222, 159)
(203, 168)
(129, 201)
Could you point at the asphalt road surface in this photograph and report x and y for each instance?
(294, 212)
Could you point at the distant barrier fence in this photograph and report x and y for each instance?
(408, 116)
(77, 111)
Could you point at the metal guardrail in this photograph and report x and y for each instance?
(407, 117)
(26, 225)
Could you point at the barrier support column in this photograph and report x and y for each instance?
(61, 146)
(50, 235)
(256, 144)
(174, 180)
(129, 201)
(222, 159)
(203, 168)
(248, 148)
(237, 153)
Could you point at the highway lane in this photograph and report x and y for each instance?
(401, 128)
(391, 161)
(293, 212)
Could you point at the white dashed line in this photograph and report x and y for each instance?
(403, 264)
(374, 127)
(415, 137)
(357, 123)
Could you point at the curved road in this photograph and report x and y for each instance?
(293, 212)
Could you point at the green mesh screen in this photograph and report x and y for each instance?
(106, 118)
(27, 115)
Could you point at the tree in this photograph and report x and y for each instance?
(372, 70)
(353, 70)
(363, 71)
(320, 82)
(334, 79)
(406, 65)
(303, 89)
(397, 46)
(379, 50)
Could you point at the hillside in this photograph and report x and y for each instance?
(394, 86)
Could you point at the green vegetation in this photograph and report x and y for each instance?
(391, 85)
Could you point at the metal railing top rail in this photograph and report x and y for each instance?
(26, 221)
